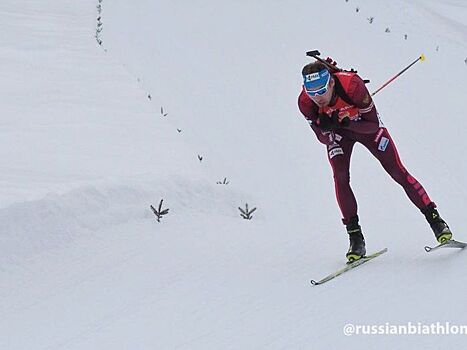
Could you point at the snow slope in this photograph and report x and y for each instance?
(86, 149)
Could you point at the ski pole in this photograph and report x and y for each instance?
(421, 58)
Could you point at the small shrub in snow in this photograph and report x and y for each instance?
(224, 182)
(99, 23)
(159, 212)
(246, 213)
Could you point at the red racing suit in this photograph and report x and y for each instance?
(352, 100)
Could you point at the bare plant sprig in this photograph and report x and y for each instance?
(99, 23)
(224, 182)
(246, 213)
(159, 212)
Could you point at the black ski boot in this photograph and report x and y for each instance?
(357, 248)
(438, 225)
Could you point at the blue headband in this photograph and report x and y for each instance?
(316, 81)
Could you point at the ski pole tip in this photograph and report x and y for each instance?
(422, 57)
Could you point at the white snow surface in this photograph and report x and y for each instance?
(89, 139)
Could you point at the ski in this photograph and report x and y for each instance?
(349, 267)
(448, 244)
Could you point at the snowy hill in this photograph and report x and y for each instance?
(91, 135)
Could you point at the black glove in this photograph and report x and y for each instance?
(345, 122)
(328, 123)
(331, 123)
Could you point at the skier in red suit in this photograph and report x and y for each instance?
(341, 112)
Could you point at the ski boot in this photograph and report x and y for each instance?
(438, 225)
(357, 248)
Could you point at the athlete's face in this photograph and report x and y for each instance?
(324, 99)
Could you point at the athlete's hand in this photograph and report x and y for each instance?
(331, 123)
(345, 122)
(325, 122)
